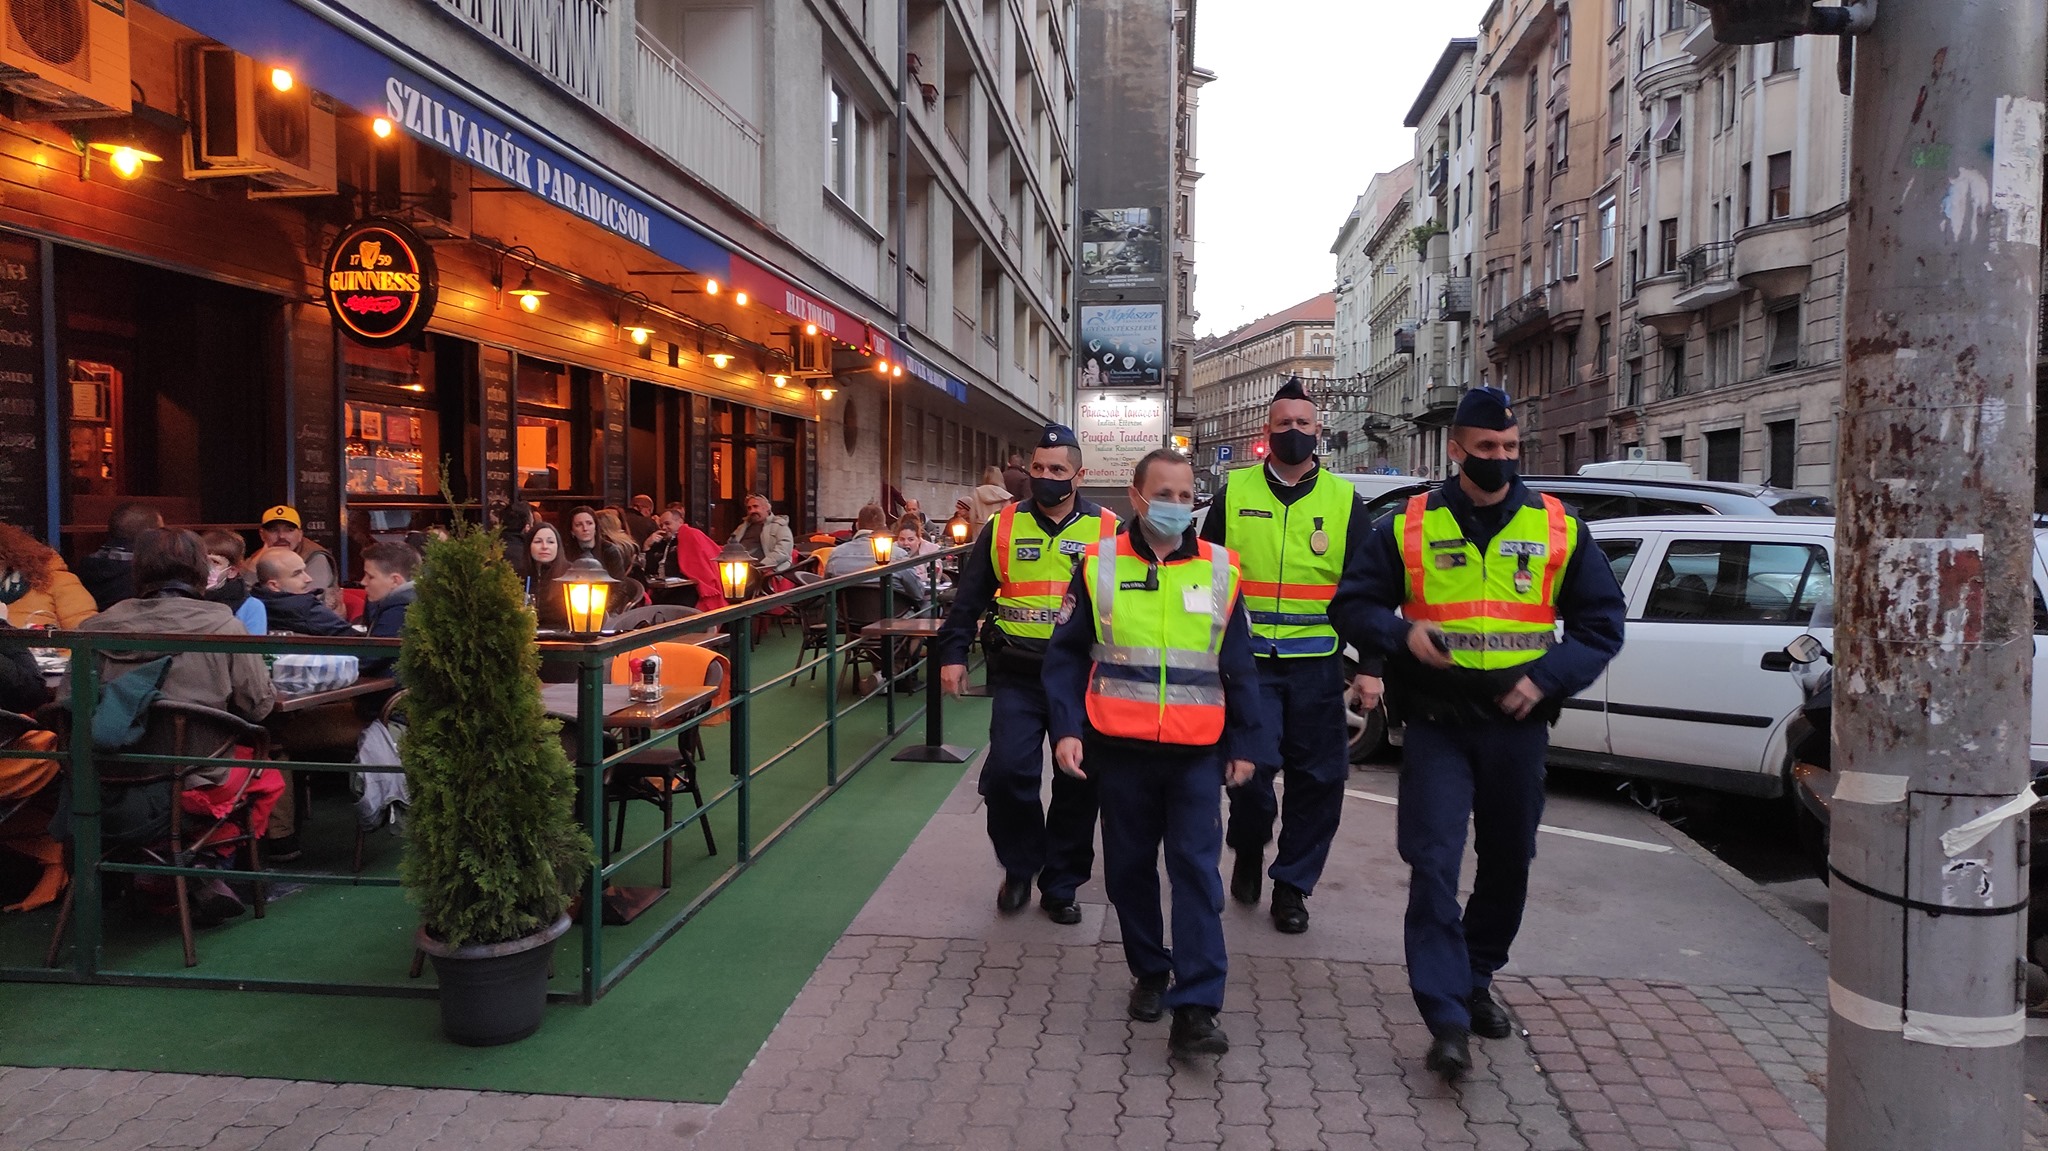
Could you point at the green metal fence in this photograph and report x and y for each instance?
(591, 661)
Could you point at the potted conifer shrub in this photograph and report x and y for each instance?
(493, 850)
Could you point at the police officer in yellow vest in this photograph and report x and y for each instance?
(1153, 694)
(1019, 570)
(1481, 571)
(1292, 525)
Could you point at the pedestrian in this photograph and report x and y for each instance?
(1481, 572)
(1153, 693)
(1291, 525)
(1016, 478)
(1020, 566)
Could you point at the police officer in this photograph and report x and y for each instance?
(1020, 566)
(1154, 694)
(1292, 524)
(1482, 571)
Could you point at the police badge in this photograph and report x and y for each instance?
(1524, 580)
(1319, 540)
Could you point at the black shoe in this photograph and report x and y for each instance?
(1195, 1033)
(1247, 875)
(1065, 912)
(1013, 894)
(1450, 1053)
(1489, 1020)
(213, 903)
(1146, 996)
(1290, 914)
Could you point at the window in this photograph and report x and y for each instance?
(1780, 173)
(850, 140)
(1568, 263)
(1454, 206)
(1458, 124)
(1674, 369)
(1620, 14)
(1535, 94)
(1723, 348)
(1781, 324)
(1747, 173)
(1667, 245)
(1599, 445)
(1528, 189)
(1562, 55)
(1621, 555)
(1782, 442)
(1635, 382)
(1617, 111)
(1571, 361)
(1551, 247)
(1782, 55)
(1674, 449)
(1603, 345)
(1670, 134)
(1607, 223)
(1493, 114)
(1675, 14)
(1493, 207)
(1560, 139)
(1731, 92)
(1738, 581)
(1724, 455)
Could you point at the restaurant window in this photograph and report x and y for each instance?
(390, 426)
(549, 453)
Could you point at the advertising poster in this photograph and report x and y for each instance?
(1116, 432)
(1123, 345)
(1121, 248)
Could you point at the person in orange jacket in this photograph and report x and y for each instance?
(36, 589)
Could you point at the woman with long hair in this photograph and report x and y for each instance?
(36, 589)
(585, 539)
(611, 525)
(546, 563)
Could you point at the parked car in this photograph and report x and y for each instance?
(1701, 692)
(1608, 497)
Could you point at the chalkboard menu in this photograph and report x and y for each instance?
(24, 492)
(699, 482)
(494, 371)
(810, 481)
(613, 442)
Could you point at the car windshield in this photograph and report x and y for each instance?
(1800, 504)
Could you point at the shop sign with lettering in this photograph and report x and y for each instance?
(381, 282)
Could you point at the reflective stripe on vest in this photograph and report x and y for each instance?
(1029, 587)
(1497, 605)
(1287, 586)
(1157, 676)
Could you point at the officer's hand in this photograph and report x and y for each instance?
(1238, 771)
(1424, 649)
(1369, 689)
(1521, 698)
(1067, 755)
(953, 677)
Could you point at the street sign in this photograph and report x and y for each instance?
(1222, 453)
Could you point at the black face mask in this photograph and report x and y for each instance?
(1487, 475)
(1292, 446)
(1047, 493)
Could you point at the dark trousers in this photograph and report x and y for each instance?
(1304, 702)
(1493, 774)
(1149, 801)
(1056, 842)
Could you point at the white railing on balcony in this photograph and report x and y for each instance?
(855, 253)
(568, 40)
(678, 114)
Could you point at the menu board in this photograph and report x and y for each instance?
(24, 490)
(316, 463)
(810, 466)
(698, 482)
(494, 371)
(613, 442)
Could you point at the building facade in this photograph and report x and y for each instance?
(1364, 431)
(1392, 291)
(1447, 162)
(625, 260)
(1237, 373)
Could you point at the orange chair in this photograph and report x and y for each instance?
(654, 776)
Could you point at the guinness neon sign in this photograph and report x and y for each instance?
(381, 282)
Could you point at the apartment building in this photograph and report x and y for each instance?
(1236, 374)
(1392, 298)
(1362, 420)
(1446, 232)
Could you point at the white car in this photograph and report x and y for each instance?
(1702, 688)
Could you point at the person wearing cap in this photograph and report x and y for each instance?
(1462, 592)
(282, 528)
(1292, 525)
(1019, 568)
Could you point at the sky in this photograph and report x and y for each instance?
(1307, 105)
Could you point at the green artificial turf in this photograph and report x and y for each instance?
(681, 1027)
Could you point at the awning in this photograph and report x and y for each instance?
(1673, 110)
(935, 376)
(359, 65)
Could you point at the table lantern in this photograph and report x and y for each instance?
(883, 544)
(957, 530)
(587, 588)
(735, 570)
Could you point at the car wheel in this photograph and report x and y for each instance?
(1812, 837)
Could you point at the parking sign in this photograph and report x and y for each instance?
(1222, 453)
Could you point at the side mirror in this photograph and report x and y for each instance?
(1806, 649)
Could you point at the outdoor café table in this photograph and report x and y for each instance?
(289, 702)
(934, 749)
(672, 590)
(710, 639)
(625, 904)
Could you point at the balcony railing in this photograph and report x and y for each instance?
(568, 40)
(679, 115)
(1439, 173)
(1708, 263)
(1454, 300)
(1520, 314)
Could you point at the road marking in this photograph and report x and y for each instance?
(1568, 832)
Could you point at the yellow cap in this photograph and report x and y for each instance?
(284, 512)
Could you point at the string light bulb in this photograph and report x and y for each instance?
(282, 79)
(827, 392)
(781, 381)
(381, 127)
(740, 298)
(720, 359)
(711, 287)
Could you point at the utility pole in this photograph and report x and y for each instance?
(1933, 622)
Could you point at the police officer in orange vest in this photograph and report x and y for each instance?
(1018, 571)
(1154, 695)
(1462, 591)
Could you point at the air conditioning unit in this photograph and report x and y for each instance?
(1637, 455)
(813, 354)
(282, 141)
(70, 56)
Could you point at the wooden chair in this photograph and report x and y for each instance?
(657, 774)
(181, 729)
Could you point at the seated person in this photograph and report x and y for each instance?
(109, 573)
(765, 535)
(388, 590)
(289, 599)
(678, 551)
(858, 553)
(910, 543)
(22, 688)
(545, 565)
(281, 529)
(586, 539)
(227, 582)
(36, 589)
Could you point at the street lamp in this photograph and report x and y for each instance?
(587, 591)
(735, 570)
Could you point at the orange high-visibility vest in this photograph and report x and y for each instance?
(1158, 636)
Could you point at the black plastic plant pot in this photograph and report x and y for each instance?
(496, 992)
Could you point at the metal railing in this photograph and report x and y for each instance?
(678, 114)
(568, 40)
(591, 660)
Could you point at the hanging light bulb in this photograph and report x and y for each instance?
(711, 287)
(639, 333)
(126, 159)
(781, 381)
(381, 127)
(720, 359)
(282, 79)
(827, 392)
(529, 295)
(740, 298)
(810, 329)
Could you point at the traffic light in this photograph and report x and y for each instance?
(1259, 450)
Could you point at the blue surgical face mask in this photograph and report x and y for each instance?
(1168, 519)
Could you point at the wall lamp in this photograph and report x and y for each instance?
(638, 330)
(123, 155)
(720, 358)
(529, 295)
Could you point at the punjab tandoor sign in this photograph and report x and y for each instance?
(381, 282)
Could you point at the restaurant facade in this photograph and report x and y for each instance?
(252, 253)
